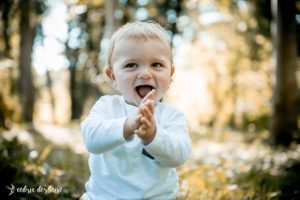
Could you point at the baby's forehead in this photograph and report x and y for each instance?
(132, 42)
(135, 48)
(143, 38)
(140, 39)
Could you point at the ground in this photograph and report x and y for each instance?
(224, 164)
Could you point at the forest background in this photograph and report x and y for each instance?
(237, 80)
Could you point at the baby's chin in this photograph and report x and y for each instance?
(135, 102)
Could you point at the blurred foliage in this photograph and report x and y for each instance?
(283, 185)
(257, 123)
(46, 165)
(227, 166)
(223, 166)
(9, 105)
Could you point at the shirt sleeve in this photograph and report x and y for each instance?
(171, 145)
(100, 131)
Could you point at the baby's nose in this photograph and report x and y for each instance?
(145, 72)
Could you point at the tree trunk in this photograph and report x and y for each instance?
(75, 102)
(51, 96)
(3, 116)
(283, 125)
(111, 23)
(5, 9)
(26, 86)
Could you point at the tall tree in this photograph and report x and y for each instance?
(86, 28)
(26, 85)
(72, 55)
(111, 22)
(5, 8)
(284, 116)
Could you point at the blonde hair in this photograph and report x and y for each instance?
(139, 30)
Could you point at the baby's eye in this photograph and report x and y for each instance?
(131, 65)
(157, 65)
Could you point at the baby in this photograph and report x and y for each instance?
(135, 141)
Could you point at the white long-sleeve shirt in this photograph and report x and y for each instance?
(128, 169)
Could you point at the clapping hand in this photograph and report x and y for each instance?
(147, 129)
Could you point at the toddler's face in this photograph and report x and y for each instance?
(139, 66)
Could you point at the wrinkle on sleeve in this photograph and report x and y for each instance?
(171, 145)
(100, 131)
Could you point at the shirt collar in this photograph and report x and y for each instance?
(130, 109)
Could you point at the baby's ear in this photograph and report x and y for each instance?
(172, 70)
(110, 74)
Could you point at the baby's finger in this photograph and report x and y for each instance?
(147, 109)
(138, 119)
(147, 113)
(140, 132)
(141, 110)
(150, 105)
(150, 95)
(146, 97)
(146, 123)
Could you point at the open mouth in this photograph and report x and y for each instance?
(143, 90)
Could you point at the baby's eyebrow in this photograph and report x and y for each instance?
(126, 61)
(131, 60)
(160, 60)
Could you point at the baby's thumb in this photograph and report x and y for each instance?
(152, 94)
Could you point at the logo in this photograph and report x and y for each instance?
(12, 189)
(29, 190)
